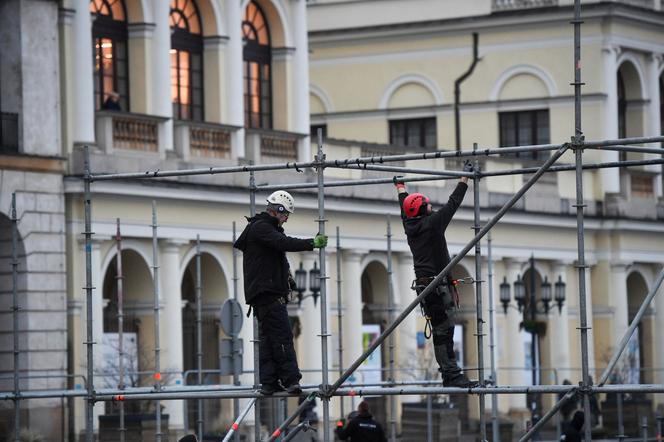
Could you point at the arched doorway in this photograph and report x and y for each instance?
(375, 317)
(138, 327)
(214, 291)
(638, 357)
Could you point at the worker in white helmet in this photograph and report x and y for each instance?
(267, 283)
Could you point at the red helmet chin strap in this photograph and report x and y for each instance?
(413, 203)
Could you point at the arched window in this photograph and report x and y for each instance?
(109, 44)
(186, 60)
(257, 57)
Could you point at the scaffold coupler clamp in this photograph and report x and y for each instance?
(578, 142)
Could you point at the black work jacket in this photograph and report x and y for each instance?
(426, 234)
(362, 429)
(264, 246)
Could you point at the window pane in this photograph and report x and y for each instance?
(543, 136)
(413, 133)
(507, 129)
(430, 133)
(525, 128)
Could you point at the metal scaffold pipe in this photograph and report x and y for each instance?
(157, 348)
(340, 327)
(329, 163)
(256, 340)
(390, 342)
(199, 337)
(444, 175)
(236, 375)
(478, 293)
(87, 202)
(581, 260)
(120, 289)
(320, 158)
(14, 264)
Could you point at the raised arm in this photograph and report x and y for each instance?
(401, 191)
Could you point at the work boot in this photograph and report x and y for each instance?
(294, 389)
(270, 389)
(451, 373)
(459, 380)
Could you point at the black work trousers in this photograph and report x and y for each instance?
(440, 308)
(277, 360)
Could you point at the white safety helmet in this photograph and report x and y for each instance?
(284, 199)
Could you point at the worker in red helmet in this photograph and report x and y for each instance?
(425, 230)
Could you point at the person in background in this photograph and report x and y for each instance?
(573, 431)
(361, 428)
(112, 102)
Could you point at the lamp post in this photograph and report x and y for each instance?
(301, 283)
(527, 303)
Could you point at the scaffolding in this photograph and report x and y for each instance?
(340, 387)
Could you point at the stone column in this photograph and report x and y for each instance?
(310, 359)
(171, 318)
(301, 78)
(653, 114)
(352, 302)
(83, 111)
(618, 299)
(161, 72)
(513, 351)
(560, 323)
(403, 295)
(233, 66)
(611, 176)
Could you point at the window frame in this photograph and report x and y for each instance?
(108, 27)
(534, 117)
(260, 55)
(420, 124)
(185, 41)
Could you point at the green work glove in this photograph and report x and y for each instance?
(320, 241)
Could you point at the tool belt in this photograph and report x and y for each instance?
(445, 287)
(283, 300)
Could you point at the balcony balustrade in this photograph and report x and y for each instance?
(195, 140)
(129, 132)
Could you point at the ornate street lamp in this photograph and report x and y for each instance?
(560, 293)
(301, 282)
(314, 282)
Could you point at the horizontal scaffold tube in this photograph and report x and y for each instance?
(637, 149)
(346, 391)
(443, 175)
(329, 163)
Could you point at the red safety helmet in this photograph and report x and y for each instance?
(413, 203)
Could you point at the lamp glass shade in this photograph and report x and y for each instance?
(314, 279)
(504, 291)
(301, 279)
(546, 290)
(519, 290)
(560, 290)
